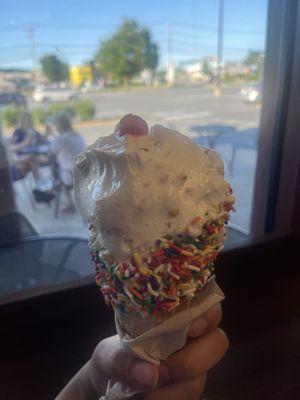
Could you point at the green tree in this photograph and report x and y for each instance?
(127, 52)
(54, 69)
(255, 59)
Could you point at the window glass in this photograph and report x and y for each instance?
(69, 70)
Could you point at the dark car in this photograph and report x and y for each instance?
(15, 98)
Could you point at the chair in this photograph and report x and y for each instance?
(42, 260)
(239, 140)
(208, 134)
(58, 184)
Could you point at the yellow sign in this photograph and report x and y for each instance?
(81, 74)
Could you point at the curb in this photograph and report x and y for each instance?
(94, 122)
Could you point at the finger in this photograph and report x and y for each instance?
(110, 359)
(198, 356)
(207, 322)
(131, 124)
(213, 317)
(186, 390)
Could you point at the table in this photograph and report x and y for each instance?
(212, 132)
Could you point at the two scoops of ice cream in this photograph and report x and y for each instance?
(157, 205)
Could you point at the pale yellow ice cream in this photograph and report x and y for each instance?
(137, 189)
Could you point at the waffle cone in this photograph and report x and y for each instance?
(155, 338)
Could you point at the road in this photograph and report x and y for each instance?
(178, 107)
(182, 109)
(182, 106)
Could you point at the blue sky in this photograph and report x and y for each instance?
(73, 29)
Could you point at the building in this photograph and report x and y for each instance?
(79, 75)
(194, 71)
(198, 70)
(234, 68)
(11, 80)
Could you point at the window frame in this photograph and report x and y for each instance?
(274, 211)
(278, 157)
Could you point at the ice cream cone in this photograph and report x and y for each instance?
(157, 205)
(154, 339)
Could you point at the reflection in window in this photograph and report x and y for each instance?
(66, 81)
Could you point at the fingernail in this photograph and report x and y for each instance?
(144, 374)
(198, 327)
(164, 376)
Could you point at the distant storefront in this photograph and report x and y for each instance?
(81, 75)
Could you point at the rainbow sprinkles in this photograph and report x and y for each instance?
(169, 274)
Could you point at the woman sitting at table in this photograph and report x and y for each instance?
(23, 142)
(65, 147)
(25, 139)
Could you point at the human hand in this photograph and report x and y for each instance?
(182, 376)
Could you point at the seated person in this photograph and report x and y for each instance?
(65, 147)
(23, 145)
(25, 139)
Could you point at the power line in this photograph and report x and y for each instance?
(184, 44)
(14, 46)
(39, 45)
(175, 43)
(67, 45)
(109, 28)
(214, 28)
(180, 39)
(60, 27)
(16, 62)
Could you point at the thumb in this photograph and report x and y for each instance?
(111, 360)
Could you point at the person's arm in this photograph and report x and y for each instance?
(181, 377)
(15, 147)
(48, 134)
(55, 146)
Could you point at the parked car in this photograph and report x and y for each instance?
(16, 98)
(54, 94)
(252, 93)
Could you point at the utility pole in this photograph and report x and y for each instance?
(30, 35)
(170, 66)
(218, 89)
